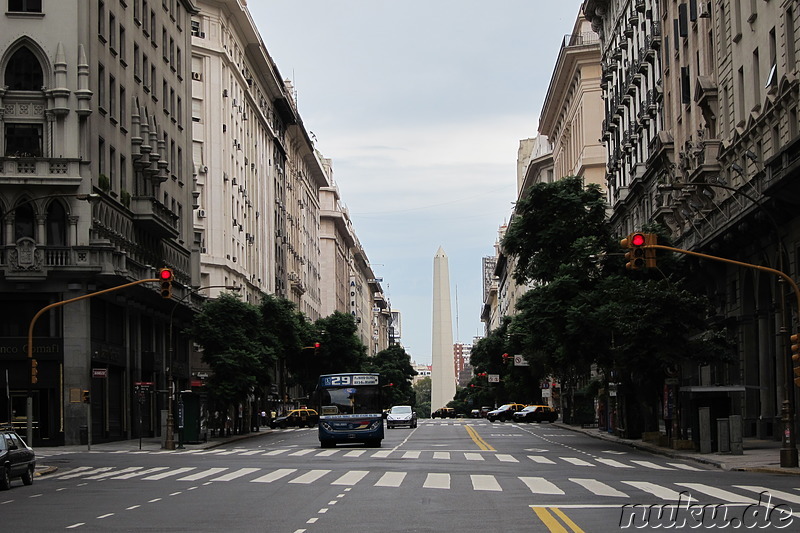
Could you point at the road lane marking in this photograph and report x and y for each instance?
(437, 481)
(169, 473)
(351, 478)
(612, 462)
(381, 454)
(141, 472)
(276, 452)
(441, 455)
(787, 496)
(505, 458)
(411, 455)
(236, 474)
(485, 482)
(551, 522)
(326, 453)
(576, 461)
(74, 474)
(274, 476)
(251, 452)
(355, 453)
(473, 456)
(685, 467)
(309, 477)
(598, 487)
(477, 439)
(539, 485)
(115, 472)
(541, 459)
(648, 464)
(391, 479)
(302, 452)
(202, 474)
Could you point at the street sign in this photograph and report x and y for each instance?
(99, 372)
(493, 378)
(520, 361)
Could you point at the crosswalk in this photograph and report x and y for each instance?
(620, 490)
(588, 461)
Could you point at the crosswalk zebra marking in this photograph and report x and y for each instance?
(657, 490)
(648, 464)
(391, 479)
(326, 453)
(786, 496)
(203, 474)
(109, 474)
(436, 481)
(598, 487)
(612, 462)
(251, 452)
(505, 458)
(141, 472)
(576, 461)
(309, 477)
(411, 455)
(485, 482)
(682, 466)
(274, 476)
(541, 459)
(381, 454)
(300, 453)
(73, 471)
(169, 473)
(539, 485)
(441, 455)
(355, 453)
(276, 452)
(470, 456)
(236, 474)
(714, 492)
(351, 478)
(89, 472)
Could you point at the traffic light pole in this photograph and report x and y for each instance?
(788, 442)
(43, 310)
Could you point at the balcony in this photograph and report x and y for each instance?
(53, 171)
(154, 217)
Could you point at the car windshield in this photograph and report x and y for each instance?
(504, 407)
(530, 408)
(401, 410)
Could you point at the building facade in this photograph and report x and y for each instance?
(94, 97)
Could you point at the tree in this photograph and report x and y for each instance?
(394, 365)
(340, 348)
(230, 332)
(422, 390)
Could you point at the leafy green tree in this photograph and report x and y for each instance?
(230, 332)
(422, 390)
(282, 327)
(340, 348)
(394, 365)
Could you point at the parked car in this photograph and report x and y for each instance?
(536, 413)
(485, 410)
(17, 460)
(504, 413)
(444, 412)
(401, 415)
(295, 418)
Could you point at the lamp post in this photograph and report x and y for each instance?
(169, 442)
(788, 453)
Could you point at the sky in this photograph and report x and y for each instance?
(421, 105)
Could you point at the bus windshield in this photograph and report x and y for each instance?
(349, 400)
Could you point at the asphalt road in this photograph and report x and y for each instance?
(446, 475)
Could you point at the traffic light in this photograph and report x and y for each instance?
(795, 340)
(85, 396)
(165, 275)
(316, 348)
(34, 371)
(635, 254)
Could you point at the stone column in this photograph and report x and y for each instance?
(443, 378)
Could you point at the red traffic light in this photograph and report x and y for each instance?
(165, 274)
(637, 239)
(316, 345)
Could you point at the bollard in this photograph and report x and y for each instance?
(736, 434)
(723, 436)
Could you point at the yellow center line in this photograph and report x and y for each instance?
(482, 444)
(552, 523)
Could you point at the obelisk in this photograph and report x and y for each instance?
(443, 373)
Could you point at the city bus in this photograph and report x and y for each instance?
(350, 409)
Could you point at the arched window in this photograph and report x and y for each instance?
(24, 222)
(24, 72)
(56, 225)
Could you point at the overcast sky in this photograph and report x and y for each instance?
(421, 105)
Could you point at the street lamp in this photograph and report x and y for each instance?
(788, 453)
(169, 443)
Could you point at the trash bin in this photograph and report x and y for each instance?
(84, 434)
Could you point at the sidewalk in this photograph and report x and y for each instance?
(759, 455)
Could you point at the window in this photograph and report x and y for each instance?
(123, 173)
(122, 44)
(56, 225)
(145, 18)
(123, 107)
(112, 31)
(196, 28)
(112, 96)
(25, 6)
(24, 222)
(101, 19)
(23, 140)
(24, 73)
(101, 87)
(137, 66)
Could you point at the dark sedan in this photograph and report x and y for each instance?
(17, 460)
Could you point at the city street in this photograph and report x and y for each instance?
(446, 475)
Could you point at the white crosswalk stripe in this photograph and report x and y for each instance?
(437, 481)
(90, 471)
(141, 472)
(657, 490)
(309, 477)
(441, 455)
(785, 496)
(648, 464)
(236, 474)
(505, 458)
(169, 473)
(203, 474)
(541, 459)
(714, 492)
(682, 466)
(109, 474)
(576, 461)
(355, 453)
(391, 479)
(612, 462)
(274, 476)
(540, 485)
(351, 478)
(598, 487)
(469, 456)
(485, 482)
